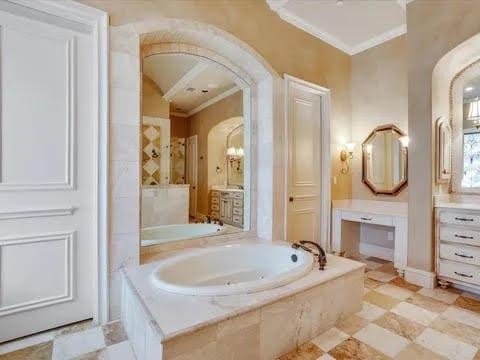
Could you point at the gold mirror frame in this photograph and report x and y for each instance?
(402, 184)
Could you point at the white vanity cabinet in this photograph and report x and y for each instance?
(227, 206)
(345, 237)
(457, 245)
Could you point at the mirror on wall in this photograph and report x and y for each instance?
(384, 160)
(471, 134)
(192, 149)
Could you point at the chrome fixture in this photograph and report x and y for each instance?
(321, 256)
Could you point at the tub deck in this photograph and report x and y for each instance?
(173, 315)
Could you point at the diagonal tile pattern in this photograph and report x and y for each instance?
(399, 321)
(402, 321)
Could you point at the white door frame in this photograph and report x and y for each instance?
(96, 21)
(325, 156)
(195, 161)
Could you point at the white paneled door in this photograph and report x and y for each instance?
(192, 174)
(304, 117)
(47, 171)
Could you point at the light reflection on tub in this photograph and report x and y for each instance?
(168, 233)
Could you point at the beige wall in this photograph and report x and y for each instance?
(298, 53)
(200, 124)
(379, 92)
(434, 28)
(153, 103)
(178, 126)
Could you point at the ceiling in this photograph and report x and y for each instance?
(189, 82)
(350, 25)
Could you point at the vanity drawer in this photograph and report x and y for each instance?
(226, 195)
(237, 203)
(463, 272)
(460, 218)
(238, 195)
(461, 253)
(215, 193)
(237, 219)
(459, 235)
(367, 218)
(215, 214)
(237, 211)
(216, 207)
(215, 200)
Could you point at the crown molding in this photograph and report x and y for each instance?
(377, 40)
(295, 20)
(178, 114)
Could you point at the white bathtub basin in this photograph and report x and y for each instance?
(167, 233)
(231, 269)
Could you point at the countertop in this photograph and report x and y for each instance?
(392, 208)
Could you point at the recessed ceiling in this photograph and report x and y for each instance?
(350, 25)
(189, 82)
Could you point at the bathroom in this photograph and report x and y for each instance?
(342, 158)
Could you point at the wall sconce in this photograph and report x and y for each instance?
(235, 155)
(345, 155)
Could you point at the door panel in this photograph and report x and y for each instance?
(47, 172)
(304, 163)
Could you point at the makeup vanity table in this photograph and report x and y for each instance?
(348, 214)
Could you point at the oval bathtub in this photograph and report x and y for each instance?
(231, 269)
(167, 233)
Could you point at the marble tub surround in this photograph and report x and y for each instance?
(266, 324)
(164, 205)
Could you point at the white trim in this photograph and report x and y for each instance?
(421, 278)
(379, 39)
(380, 252)
(178, 114)
(191, 74)
(213, 100)
(325, 156)
(29, 213)
(279, 7)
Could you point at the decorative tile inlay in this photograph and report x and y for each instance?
(151, 152)
(382, 340)
(41, 351)
(353, 324)
(308, 351)
(114, 333)
(468, 303)
(354, 349)
(417, 352)
(444, 345)
(427, 303)
(384, 301)
(329, 339)
(400, 325)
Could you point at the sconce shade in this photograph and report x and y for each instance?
(474, 111)
(240, 152)
(405, 140)
(231, 151)
(350, 147)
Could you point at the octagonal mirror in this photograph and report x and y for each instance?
(384, 160)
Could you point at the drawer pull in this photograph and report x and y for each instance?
(464, 275)
(367, 219)
(464, 256)
(463, 219)
(464, 237)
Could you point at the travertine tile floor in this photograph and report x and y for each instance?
(80, 341)
(401, 321)
(398, 321)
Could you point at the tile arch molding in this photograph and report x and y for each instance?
(129, 43)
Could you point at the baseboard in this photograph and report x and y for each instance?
(421, 278)
(376, 251)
